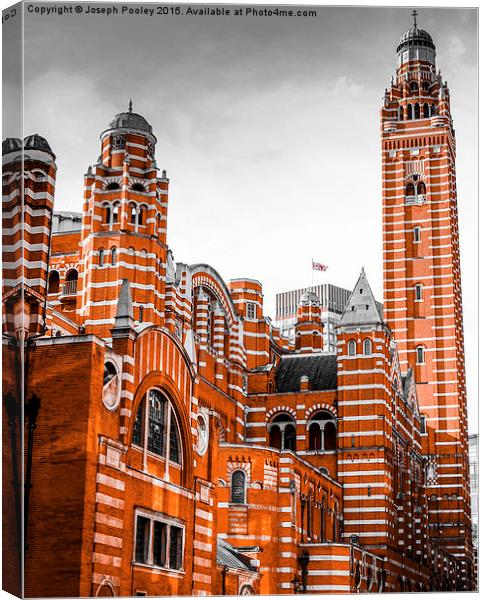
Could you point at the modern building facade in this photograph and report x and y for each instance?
(177, 443)
(333, 300)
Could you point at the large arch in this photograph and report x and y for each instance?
(206, 276)
(164, 383)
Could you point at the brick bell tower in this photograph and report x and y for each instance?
(28, 186)
(422, 282)
(124, 227)
(309, 324)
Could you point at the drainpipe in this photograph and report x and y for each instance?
(13, 413)
(224, 576)
(31, 411)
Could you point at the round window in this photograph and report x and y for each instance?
(111, 386)
(202, 429)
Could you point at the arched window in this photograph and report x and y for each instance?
(238, 487)
(140, 313)
(352, 348)
(39, 175)
(401, 113)
(142, 215)
(101, 257)
(163, 434)
(113, 186)
(417, 234)
(322, 431)
(414, 88)
(282, 432)
(426, 111)
(416, 111)
(116, 206)
(113, 255)
(421, 189)
(138, 187)
(109, 372)
(419, 292)
(409, 112)
(107, 213)
(410, 189)
(420, 350)
(70, 285)
(246, 590)
(132, 213)
(432, 110)
(53, 287)
(367, 347)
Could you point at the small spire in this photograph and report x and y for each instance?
(130, 108)
(414, 15)
(123, 321)
(125, 304)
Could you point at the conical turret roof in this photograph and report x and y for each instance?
(361, 308)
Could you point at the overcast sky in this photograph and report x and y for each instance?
(268, 128)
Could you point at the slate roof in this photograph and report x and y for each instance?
(321, 370)
(361, 308)
(228, 556)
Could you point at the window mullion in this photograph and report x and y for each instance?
(151, 545)
(167, 439)
(145, 432)
(168, 546)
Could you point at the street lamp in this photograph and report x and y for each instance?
(296, 584)
(304, 562)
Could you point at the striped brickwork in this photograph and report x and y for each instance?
(275, 449)
(422, 287)
(123, 232)
(308, 330)
(28, 186)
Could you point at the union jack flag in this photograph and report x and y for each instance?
(317, 266)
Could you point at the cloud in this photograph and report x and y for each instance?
(344, 86)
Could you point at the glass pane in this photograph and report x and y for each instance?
(238, 487)
(174, 440)
(142, 539)
(175, 547)
(156, 422)
(159, 544)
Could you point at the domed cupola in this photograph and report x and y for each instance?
(416, 44)
(309, 298)
(37, 142)
(122, 140)
(130, 121)
(11, 145)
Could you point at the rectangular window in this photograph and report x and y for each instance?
(158, 542)
(423, 426)
(420, 355)
(251, 310)
(418, 292)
